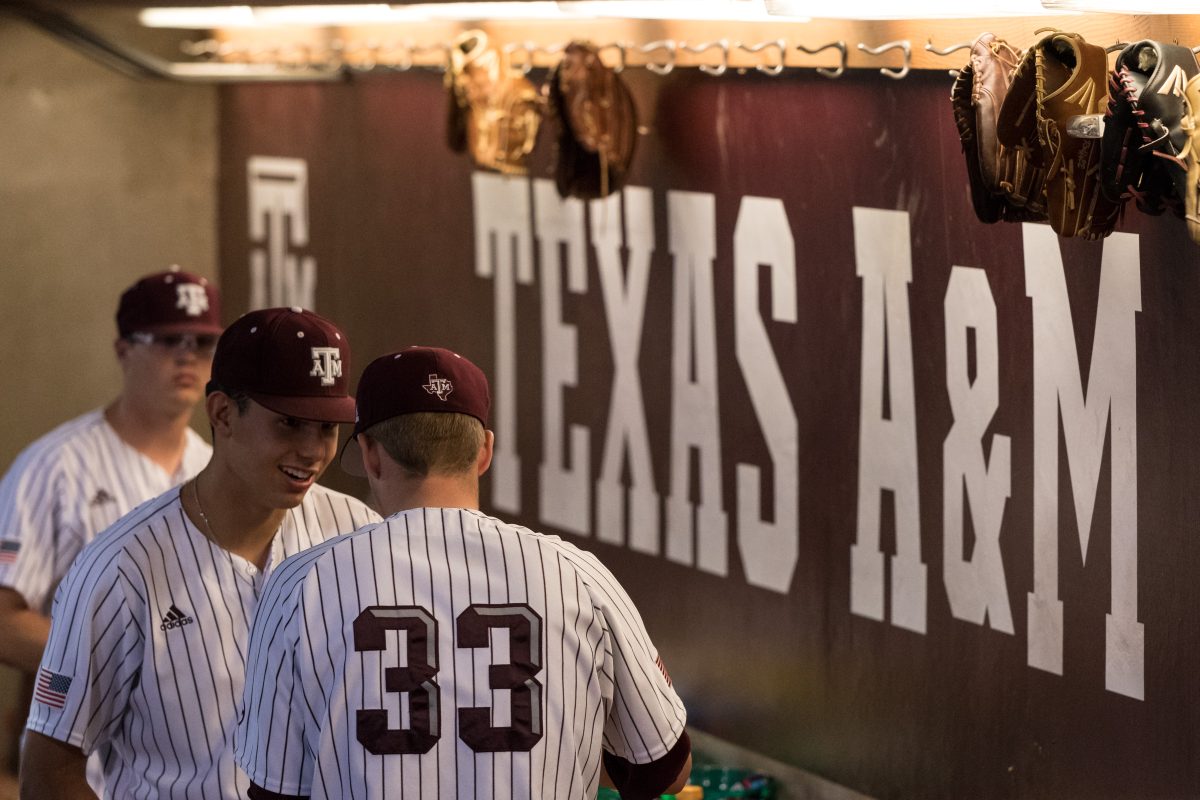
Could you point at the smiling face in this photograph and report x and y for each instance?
(275, 458)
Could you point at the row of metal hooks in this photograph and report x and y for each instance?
(400, 56)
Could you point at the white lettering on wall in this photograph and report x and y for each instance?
(887, 436)
(975, 585)
(1109, 406)
(278, 202)
(769, 550)
(695, 425)
(504, 253)
(624, 306)
(563, 493)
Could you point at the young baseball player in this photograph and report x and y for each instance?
(443, 653)
(145, 662)
(81, 477)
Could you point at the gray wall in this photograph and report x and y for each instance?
(102, 179)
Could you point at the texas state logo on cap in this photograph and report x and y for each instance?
(289, 360)
(416, 379)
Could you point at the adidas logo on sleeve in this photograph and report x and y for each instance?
(174, 618)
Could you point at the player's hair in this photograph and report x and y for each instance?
(431, 442)
(239, 397)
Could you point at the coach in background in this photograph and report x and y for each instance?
(145, 659)
(443, 653)
(81, 477)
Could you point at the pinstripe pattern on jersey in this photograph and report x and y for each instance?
(159, 702)
(68, 486)
(305, 682)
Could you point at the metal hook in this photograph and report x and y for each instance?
(662, 44)
(446, 48)
(902, 44)
(398, 55)
(719, 69)
(622, 54)
(954, 48)
(769, 69)
(204, 47)
(517, 47)
(840, 46)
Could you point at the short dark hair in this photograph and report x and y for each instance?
(239, 397)
(431, 442)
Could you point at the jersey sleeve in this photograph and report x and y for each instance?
(94, 655)
(271, 743)
(646, 717)
(38, 538)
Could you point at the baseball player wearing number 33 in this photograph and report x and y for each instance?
(443, 653)
(145, 659)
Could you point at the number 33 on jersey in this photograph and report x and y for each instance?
(443, 653)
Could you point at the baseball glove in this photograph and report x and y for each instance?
(1191, 157)
(1060, 78)
(1004, 185)
(1143, 126)
(597, 124)
(468, 46)
(505, 124)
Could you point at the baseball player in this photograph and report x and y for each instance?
(443, 653)
(145, 662)
(81, 477)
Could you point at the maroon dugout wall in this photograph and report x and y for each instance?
(907, 500)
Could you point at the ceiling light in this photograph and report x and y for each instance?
(1127, 6)
(214, 17)
(914, 9)
(732, 10)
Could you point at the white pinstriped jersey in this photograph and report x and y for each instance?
(446, 654)
(146, 658)
(64, 489)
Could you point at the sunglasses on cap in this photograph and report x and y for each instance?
(200, 343)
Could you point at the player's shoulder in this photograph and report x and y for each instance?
(296, 569)
(126, 541)
(330, 502)
(60, 445)
(142, 521)
(573, 556)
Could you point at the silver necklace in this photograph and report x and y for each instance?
(200, 507)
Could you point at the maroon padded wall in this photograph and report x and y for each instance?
(778, 635)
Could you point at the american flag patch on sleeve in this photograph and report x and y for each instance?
(51, 688)
(8, 550)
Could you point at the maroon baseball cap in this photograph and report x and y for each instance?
(170, 302)
(289, 360)
(413, 380)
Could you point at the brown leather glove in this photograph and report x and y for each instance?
(1060, 78)
(597, 124)
(1004, 185)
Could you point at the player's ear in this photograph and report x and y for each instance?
(221, 410)
(121, 348)
(371, 452)
(484, 460)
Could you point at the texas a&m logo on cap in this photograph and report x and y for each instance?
(439, 386)
(327, 364)
(192, 298)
